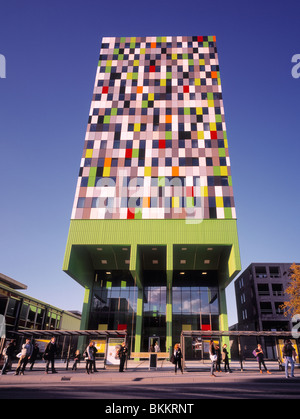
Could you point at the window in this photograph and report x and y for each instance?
(278, 308)
(260, 271)
(263, 289)
(277, 290)
(274, 271)
(266, 308)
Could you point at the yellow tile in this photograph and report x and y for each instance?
(175, 202)
(89, 153)
(204, 191)
(147, 171)
(223, 171)
(106, 171)
(219, 202)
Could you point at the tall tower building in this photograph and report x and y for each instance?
(153, 236)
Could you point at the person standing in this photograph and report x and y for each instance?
(76, 360)
(49, 355)
(94, 361)
(90, 358)
(156, 347)
(225, 358)
(289, 354)
(8, 355)
(213, 357)
(177, 358)
(122, 353)
(34, 355)
(260, 358)
(219, 359)
(25, 357)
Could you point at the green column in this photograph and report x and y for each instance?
(223, 317)
(169, 297)
(86, 308)
(135, 268)
(139, 321)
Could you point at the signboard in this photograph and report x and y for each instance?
(153, 360)
(113, 346)
(42, 343)
(100, 345)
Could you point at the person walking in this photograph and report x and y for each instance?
(89, 357)
(49, 355)
(76, 360)
(25, 357)
(219, 359)
(260, 358)
(289, 354)
(8, 353)
(178, 358)
(122, 354)
(34, 355)
(213, 357)
(225, 358)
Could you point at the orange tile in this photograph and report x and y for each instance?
(175, 171)
(168, 119)
(153, 44)
(214, 75)
(139, 89)
(107, 162)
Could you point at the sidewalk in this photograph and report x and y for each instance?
(135, 372)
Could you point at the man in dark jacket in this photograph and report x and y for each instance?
(49, 355)
(289, 354)
(122, 355)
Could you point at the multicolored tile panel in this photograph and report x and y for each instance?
(156, 144)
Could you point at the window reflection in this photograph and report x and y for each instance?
(114, 301)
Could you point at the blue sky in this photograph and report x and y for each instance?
(51, 51)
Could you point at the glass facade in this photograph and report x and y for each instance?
(25, 314)
(115, 300)
(154, 315)
(194, 308)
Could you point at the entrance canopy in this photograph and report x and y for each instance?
(78, 333)
(219, 333)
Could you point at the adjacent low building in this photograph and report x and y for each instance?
(259, 291)
(22, 312)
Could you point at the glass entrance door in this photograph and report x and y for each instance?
(153, 341)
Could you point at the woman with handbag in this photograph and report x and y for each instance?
(89, 357)
(213, 357)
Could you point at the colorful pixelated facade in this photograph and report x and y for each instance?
(155, 174)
